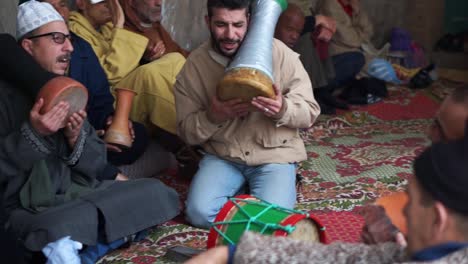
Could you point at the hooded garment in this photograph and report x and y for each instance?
(155, 33)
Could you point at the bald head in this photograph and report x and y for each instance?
(290, 25)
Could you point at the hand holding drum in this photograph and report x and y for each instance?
(63, 89)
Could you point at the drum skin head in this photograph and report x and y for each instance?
(245, 83)
(65, 89)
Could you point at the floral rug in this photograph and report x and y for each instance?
(354, 157)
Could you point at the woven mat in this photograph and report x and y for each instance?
(353, 158)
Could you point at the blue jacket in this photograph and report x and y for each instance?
(85, 68)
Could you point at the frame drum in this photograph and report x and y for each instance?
(65, 89)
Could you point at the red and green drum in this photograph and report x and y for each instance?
(247, 213)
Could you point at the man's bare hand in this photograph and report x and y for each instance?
(326, 22)
(325, 34)
(217, 255)
(50, 122)
(222, 111)
(155, 51)
(117, 14)
(73, 128)
(378, 227)
(269, 107)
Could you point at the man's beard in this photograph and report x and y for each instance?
(217, 45)
(151, 16)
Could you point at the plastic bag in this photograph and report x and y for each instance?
(185, 21)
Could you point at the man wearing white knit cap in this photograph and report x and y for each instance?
(48, 173)
(42, 32)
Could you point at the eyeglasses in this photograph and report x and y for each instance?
(57, 37)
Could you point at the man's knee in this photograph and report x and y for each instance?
(198, 214)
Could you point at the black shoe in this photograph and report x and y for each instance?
(324, 95)
(422, 79)
(326, 109)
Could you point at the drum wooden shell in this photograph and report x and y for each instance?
(65, 89)
(245, 83)
(232, 222)
(118, 133)
(393, 205)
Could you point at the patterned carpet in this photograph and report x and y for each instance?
(353, 158)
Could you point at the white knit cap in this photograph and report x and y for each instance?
(32, 15)
(96, 1)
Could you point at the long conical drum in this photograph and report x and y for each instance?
(119, 133)
(250, 73)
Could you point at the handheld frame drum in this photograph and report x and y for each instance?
(65, 89)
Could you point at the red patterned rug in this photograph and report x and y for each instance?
(353, 158)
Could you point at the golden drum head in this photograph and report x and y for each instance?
(245, 83)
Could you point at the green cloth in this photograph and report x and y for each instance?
(37, 194)
(283, 4)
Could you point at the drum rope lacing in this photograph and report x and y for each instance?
(253, 219)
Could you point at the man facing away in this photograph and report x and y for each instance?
(259, 147)
(436, 216)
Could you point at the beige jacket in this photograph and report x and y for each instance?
(254, 139)
(351, 32)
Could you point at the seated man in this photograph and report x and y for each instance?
(353, 28)
(49, 164)
(436, 213)
(449, 124)
(320, 69)
(260, 147)
(144, 17)
(120, 52)
(85, 68)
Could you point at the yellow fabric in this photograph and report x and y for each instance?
(405, 73)
(119, 51)
(153, 83)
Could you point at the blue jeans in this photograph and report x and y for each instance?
(347, 66)
(216, 180)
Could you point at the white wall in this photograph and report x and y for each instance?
(8, 10)
(185, 18)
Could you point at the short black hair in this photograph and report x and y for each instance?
(229, 4)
